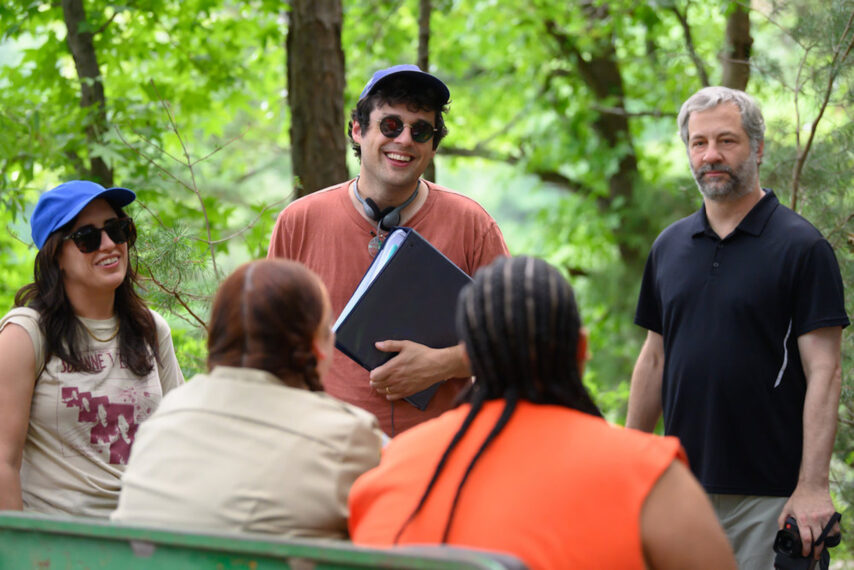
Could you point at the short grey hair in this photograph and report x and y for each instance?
(710, 97)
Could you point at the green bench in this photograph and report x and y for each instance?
(31, 541)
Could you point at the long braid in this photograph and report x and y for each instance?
(520, 325)
(534, 363)
(476, 405)
(509, 408)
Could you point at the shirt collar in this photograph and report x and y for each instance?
(250, 375)
(753, 223)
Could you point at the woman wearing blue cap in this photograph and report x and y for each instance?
(79, 353)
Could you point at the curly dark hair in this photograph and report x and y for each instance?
(520, 325)
(64, 333)
(416, 96)
(265, 316)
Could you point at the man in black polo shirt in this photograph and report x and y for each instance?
(744, 308)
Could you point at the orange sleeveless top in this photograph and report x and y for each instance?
(557, 488)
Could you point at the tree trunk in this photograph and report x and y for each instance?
(315, 63)
(91, 88)
(600, 71)
(424, 60)
(735, 61)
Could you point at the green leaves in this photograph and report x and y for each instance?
(554, 100)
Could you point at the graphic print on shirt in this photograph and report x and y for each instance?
(100, 412)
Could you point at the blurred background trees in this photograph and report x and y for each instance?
(562, 125)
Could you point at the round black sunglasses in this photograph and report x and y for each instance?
(88, 238)
(421, 131)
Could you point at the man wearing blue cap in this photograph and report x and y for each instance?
(395, 130)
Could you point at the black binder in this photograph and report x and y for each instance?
(413, 296)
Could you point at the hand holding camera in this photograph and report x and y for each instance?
(787, 545)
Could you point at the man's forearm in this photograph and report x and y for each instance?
(820, 355)
(820, 420)
(645, 392)
(644, 401)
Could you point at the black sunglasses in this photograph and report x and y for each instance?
(421, 131)
(88, 238)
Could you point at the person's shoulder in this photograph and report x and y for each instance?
(338, 412)
(340, 421)
(794, 226)
(160, 322)
(22, 314)
(158, 318)
(319, 196)
(448, 200)
(311, 205)
(448, 193)
(28, 319)
(625, 444)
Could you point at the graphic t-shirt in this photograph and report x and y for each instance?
(82, 424)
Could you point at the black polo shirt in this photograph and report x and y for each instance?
(730, 312)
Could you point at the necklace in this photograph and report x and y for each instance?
(376, 242)
(386, 219)
(108, 339)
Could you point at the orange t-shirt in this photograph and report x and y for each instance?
(557, 488)
(325, 232)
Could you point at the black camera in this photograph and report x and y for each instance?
(787, 545)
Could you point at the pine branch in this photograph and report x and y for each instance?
(189, 165)
(174, 293)
(840, 55)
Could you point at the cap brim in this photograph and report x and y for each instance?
(117, 197)
(416, 77)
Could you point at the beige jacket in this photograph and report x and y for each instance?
(237, 450)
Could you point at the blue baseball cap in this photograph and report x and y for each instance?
(412, 72)
(60, 205)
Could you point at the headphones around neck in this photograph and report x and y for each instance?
(388, 218)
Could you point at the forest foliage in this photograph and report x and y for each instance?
(562, 124)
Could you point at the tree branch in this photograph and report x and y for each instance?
(550, 176)
(840, 54)
(689, 43)
(174, 293)
(150, 160)
(479, 152)
(621, 112)
(253, 222)
(106, 24)
(189, 164)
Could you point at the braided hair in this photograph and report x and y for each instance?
(265, 316)
(520, 325)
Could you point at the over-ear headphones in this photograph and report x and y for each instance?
(388, 218)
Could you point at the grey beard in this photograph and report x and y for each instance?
(741, 180)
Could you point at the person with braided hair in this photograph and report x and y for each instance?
(527, 465)
(255, 445)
